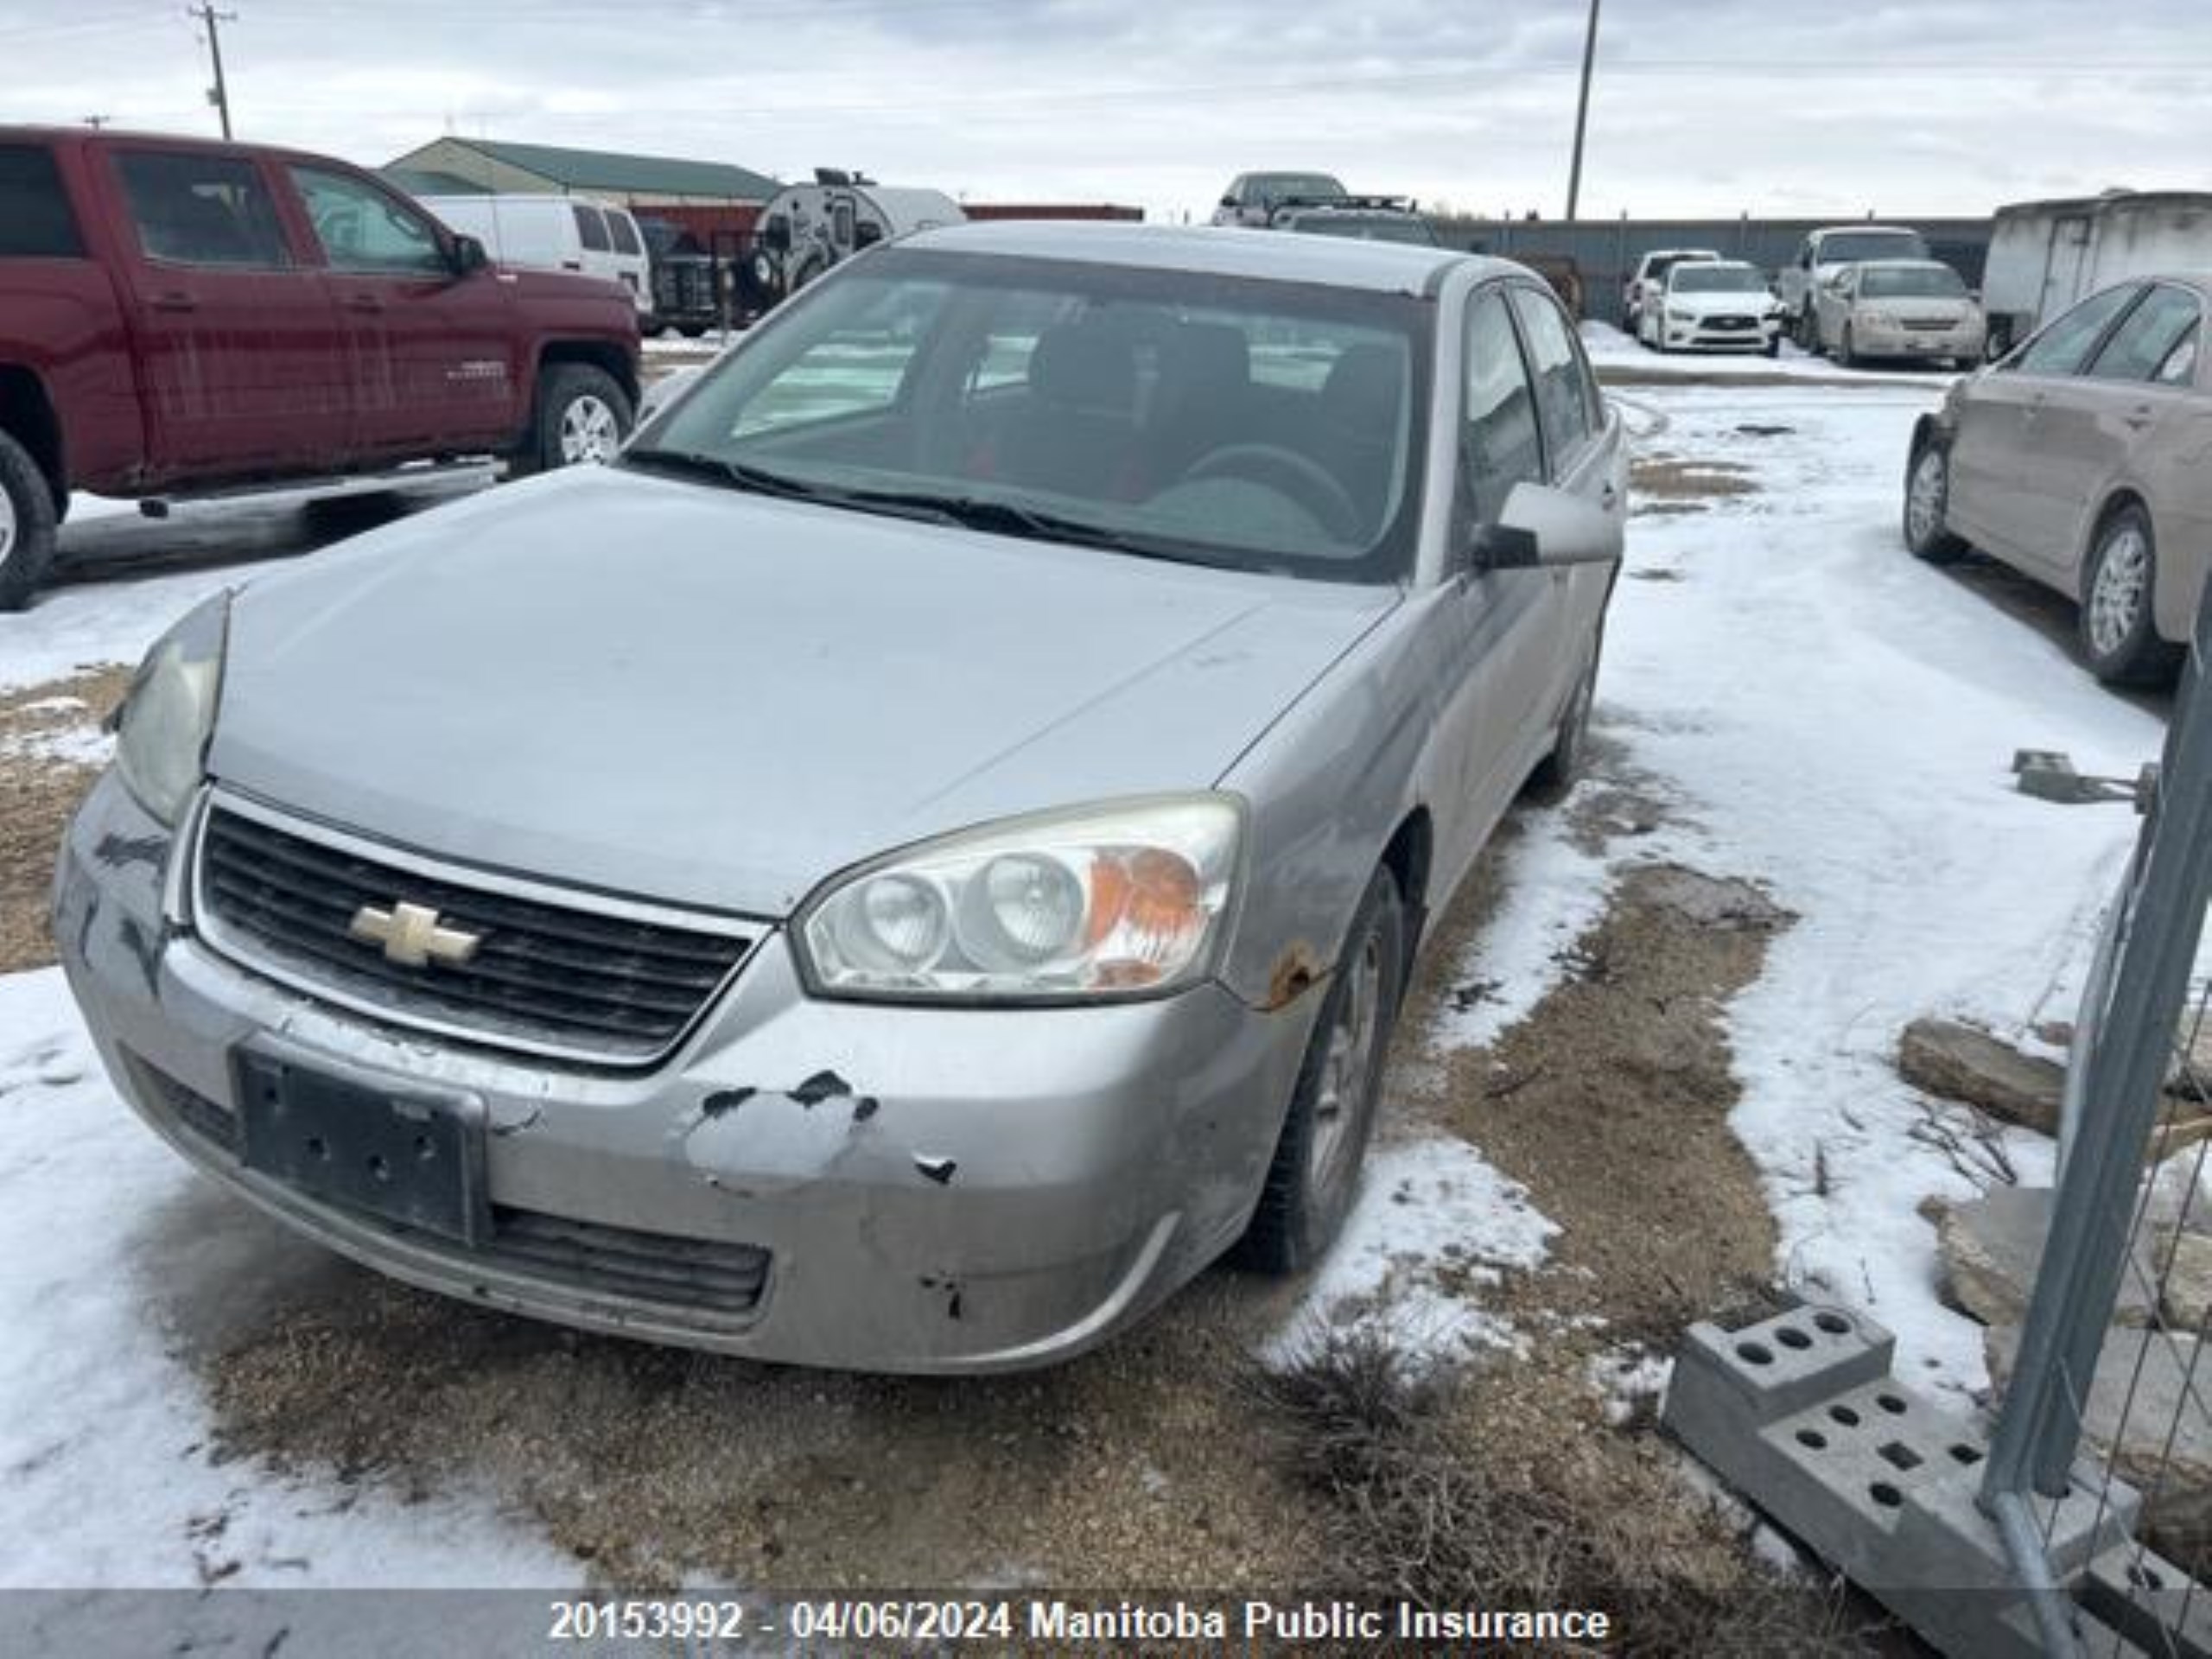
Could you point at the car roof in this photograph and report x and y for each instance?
(1878, 230)
(1380, 267)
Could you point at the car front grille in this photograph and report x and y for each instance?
(588, 1257)
(576, 977)
(1930, 325)
(1732, 322)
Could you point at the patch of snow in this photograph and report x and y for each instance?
(91, 625)
(113, 1479)
(1434, 1224)
(1609, 349)
(1629, 1381)
(84, 746)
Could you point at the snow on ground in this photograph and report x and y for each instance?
(106, 1238)
(89, 624)
(1836, 722)
(1434, 1223)
(1613, 351)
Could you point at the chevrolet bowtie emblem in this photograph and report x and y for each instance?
(411, 935)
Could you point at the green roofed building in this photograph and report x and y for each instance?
(455, 166)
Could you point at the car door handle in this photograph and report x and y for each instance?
(2136, 419)
(175, 300)
(363, 303)
(1610, 496)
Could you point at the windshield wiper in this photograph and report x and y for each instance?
(986, 513)
(736, 474)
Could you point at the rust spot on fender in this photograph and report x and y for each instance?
(1295, 973)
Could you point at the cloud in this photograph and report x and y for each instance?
(1701, 105)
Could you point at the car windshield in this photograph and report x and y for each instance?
(1718, 279)
(1279, 186)
(1850, 247)
(1367, 227)
(1176, 415)
(1915, 282)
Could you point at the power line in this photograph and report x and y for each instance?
(220, 93)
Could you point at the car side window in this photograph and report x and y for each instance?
(193, 209)
(2143, 346)
(2063, 348)
(1499, 442)
(625, 233)
(35, 221)
(1567, 401)
(362, 229)
(591, 226)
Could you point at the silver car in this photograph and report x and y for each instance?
(1915, 308)
(917, 860)
(2082, 459)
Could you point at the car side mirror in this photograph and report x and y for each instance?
(468, 256)
(1541, 526)
(1229, 201)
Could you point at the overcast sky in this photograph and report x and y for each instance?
(1701, 106)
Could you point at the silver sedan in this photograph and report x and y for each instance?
(917, 859)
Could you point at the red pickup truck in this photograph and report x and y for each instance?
(181, 317)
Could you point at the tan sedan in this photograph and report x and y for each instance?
(2084, 460)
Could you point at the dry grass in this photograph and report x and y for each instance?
(41, 787)
(1414, 1507)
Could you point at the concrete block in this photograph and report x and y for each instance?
(2152, 1602)
(1781, 1364)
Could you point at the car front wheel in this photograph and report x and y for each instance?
(582, 416)
(2119, 634)
(1315, 1174)
(27, 522)
(1927, 504)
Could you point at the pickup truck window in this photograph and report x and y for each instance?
(35, 222)
(592, 228)
(362, 229)
(626, 234)
(201, 210)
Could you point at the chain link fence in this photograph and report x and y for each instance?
(2110, 1391)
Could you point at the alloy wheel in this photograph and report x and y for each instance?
(7, 525)
(2123, 583)
(1924, 496)
(1344, 1100)
(589, 431)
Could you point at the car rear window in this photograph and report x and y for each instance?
(35, 221)
(593, 229)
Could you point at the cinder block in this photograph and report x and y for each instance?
(1782, 1364)
(2151, 1601)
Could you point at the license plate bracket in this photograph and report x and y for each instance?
(410, 1158)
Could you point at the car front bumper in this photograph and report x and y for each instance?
(1962, 342)
(974, 1190)
(1703, 334)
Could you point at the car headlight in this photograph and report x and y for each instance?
(166, 720)
(1126, 898)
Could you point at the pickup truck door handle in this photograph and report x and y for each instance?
(2137, 418)
(363, 303)
(175, 300)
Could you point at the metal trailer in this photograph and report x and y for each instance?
(805, 229)
(2043, 256)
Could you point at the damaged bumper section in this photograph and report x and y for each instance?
(839, 1183)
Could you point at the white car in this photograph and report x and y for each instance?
(568, 234)
(1650, 270)
(1711, 305)
(1899, 308)
(1821, 260)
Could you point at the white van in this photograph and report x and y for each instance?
(556, 234)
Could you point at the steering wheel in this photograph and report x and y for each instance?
(1304, 480)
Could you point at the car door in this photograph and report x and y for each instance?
(1498, 626)
(241, 357)
(1831, 303)
(1998, 447)
(1584, 456)
(432, 347)
(2093, 424)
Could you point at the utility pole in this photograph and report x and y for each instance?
(96, 121)
(1582, 111)
(219, 94)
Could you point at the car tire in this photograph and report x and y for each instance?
(1809, 333)
(1927, 504)
(582, 414)
(1555, 774)
(1847, 351)
(1315, 1174)
(28, 523)
(691, 330)
(1772, 348)
(2120, 584)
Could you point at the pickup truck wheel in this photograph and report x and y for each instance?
(1927, 501)
(27, 525)
(1315, 1174)
(2119, 634)
(582, 416)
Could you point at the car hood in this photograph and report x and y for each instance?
(672, 690)
(1907, 309)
